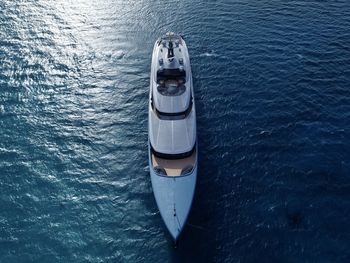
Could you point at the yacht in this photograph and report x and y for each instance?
(172, 131)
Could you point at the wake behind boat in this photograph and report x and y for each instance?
(172, 131)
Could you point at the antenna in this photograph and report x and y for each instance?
(170, 50)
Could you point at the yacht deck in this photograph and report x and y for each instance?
(173, 167)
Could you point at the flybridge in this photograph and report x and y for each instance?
(171, 78)
(170, 52)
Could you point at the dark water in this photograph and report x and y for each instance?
(272, 82)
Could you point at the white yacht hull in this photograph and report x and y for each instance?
(172, 140)
(174, 196)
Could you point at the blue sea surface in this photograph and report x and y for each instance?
(272, 90)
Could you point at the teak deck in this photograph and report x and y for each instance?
(174, 167)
